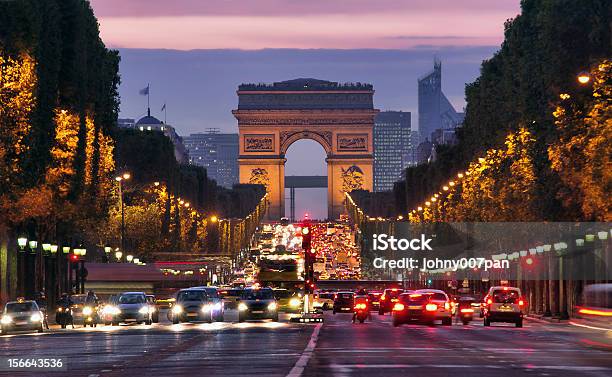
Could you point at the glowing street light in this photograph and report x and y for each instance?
(22, 242)
(214, 219)
(584, 78)
(129, 258)
(118, 255)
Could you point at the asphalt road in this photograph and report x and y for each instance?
(336, 348)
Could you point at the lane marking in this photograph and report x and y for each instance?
(300, 365)
(466, 366)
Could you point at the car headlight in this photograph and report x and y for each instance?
(112, 310)
(206, 308)
(144, 310)
(60, 309)
(36, 317)
(87, 310)
(177, 309)
(272, 306)
(294, 302)
(217, 306)
(242, 307)
(6, 319)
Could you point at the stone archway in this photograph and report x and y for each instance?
(340, 117)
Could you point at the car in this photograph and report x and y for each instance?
(422, 306)
(192, 304)
(21, 315)
(344, 302)
(230, 297)
(288, 301)
(218, 308)
(324, 300)
(504, 304)
(257, 303)
(130, 307)
(154, 309)
(374, 298)
(388, 299)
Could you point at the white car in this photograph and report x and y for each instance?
(323, 300)
(21, 315)
(504, 304)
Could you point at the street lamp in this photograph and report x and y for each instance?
(584, 78)
(129, 258)
(66, 249)
(54, 249)
(213, 219)
(46, 247)
(118, 255)
(136, 260)
(33, 245)
(22, 242)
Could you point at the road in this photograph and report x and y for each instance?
(336, 348)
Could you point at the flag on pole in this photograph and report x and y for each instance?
(163, 107)
(145, 91)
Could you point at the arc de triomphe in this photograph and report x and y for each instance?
(340, 117)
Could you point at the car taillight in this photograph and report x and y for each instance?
(431, 307)
(447, 305)
(383, 298)
(467, 310)
(398, 307)
(489, 302)
(521, 302)
(360, 306)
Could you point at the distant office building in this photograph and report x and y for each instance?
(435, 110)
(217, 152)
(126, 123)
(150, 123)
(392, 148)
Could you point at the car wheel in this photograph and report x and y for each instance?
(519, 323)
(175, 321)
(325, 306)
(240, 318)
(5, 331)
(465, 322)
(487, 322)
(63, 325)
(41, 329)
(275, 318)
(380, 312)
(334, 311)
(396, 322)
(114, 323)
(447, 322)
(220, 318)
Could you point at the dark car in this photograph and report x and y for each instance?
(257, 303)
(216, 301)
(230, 297)
(344, 302)
(132, 307)
(374, 298)
(424, 306)
(388, 299)
(192, 304)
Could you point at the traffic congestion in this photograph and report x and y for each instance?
(248, 327)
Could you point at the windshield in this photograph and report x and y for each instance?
(131, 299)
(78, 299)
(344, 296)
(393, 293)
(414, 299)
(437, 296)
(327, 295)
(21, 307)
(506, 297)
(191, 296)
(257, 294)
(282, 294)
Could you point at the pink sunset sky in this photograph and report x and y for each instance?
(343, 24)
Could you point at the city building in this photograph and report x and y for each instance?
(150, 123)
(437, 116)
(217, 152)
(393, 150)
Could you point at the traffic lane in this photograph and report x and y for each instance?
(377, 348)
(228, 348)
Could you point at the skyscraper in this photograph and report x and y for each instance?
(435, 110)
(217, 152)
(393, 150)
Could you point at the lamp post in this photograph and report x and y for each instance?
(118, 255)
(107, 250)
(120, 179)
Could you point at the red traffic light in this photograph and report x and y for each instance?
(74, 257)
